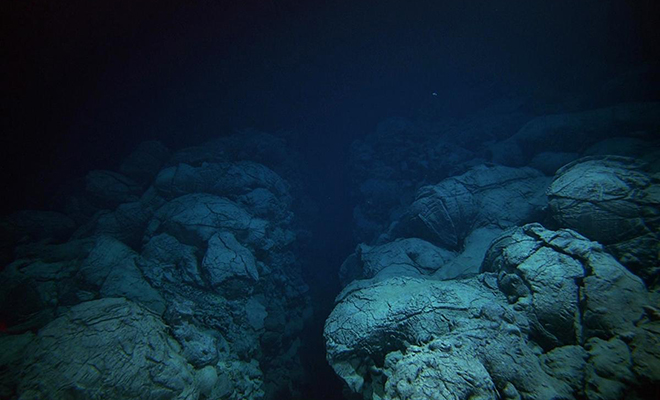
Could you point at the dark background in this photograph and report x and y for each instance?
(84, 82)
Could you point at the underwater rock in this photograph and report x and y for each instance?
(127, 223)
(109, 346)
(402, 257)
(575, 132)
(446, 213)
(229, 266)
(267, 205)
(33, 226)
(226, 179)
(199, 348)
(525, 328)
(109, 189)
(615, 201)
(111, 267)
(246, 145)
(108, 253)
(145, 161)
(609, 369)
(437, 379)
(12, 350)
(219, 268)
(194, 218)
(126, 280)
(378, 335)
(165, 258)
(43, 279)
(389, 165)
(570, 288)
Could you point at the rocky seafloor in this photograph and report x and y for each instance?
(510, 254)
(174, 277)
(525, 267)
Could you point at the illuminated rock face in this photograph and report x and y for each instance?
(540, 295)
(615, 201)
(504, 281)
(78, 355)
(184, 270)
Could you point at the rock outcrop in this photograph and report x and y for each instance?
(616, 202)
(535, 279)
(174, 277)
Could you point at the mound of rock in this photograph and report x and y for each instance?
(616, 202)
(446, 213)
(110, 348)
(391, 164)
(448, 227)
(506, 333)
(576, 132)
(201, 241)
(527, 279)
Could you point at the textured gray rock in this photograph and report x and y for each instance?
(109, 348)
(207, 247)
(228, 265)
(12, 351)
(403, 257)
(569, 286)
(41, 280)
(265, 204)
(269, 150)
(446, 213)
(110, 189)
(225, 179)
(112, 268)
(615, 201)
(33, 225)
(378, 336)
(645, 349)
(609, 371)
(576, 132)
(468, 261)
(389, 165)
(165, 258)
(554, 316)
(126, 223)
(199, 348)
(126, 280)
(145, 161)
(194, 218)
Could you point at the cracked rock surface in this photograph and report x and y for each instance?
(531, 278)
(108, 348)
(542, 295)
(615, 201)
(175, 277)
